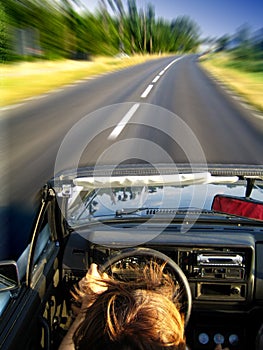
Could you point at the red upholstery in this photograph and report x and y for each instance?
(238, 206)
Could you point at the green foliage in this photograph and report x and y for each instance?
(247, 58)
(185, 34)
(53, 29)
(5, 37)
(247, 54)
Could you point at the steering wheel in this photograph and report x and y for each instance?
(151, 253)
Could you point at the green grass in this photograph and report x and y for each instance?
(246, 59)
(243, 76)
(246, 66)
(26, 79)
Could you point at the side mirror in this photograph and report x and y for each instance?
(9, 276)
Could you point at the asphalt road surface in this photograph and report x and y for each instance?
(166, 110)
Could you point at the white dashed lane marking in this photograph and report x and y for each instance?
(156, 79)
(121, 125)
(146, 91)
(158, 76)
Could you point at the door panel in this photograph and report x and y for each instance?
(22, 325)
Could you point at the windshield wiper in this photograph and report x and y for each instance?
(189, 212)
(128, 211)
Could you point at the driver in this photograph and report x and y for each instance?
(141, 313)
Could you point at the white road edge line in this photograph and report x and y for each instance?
(38, 97)
(146, 91)
(258, 116)
(121, 125)
(7, 108)
(156, 79)
(56, 90)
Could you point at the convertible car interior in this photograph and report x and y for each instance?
(214, 250)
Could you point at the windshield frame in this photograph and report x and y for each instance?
(64, 182)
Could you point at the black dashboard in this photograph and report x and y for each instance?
(223, 268)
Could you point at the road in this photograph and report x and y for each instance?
(159, 111)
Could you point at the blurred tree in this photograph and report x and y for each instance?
(163, 36)
(64, 28)
(134, 27)
(105, 14)
(222, 42)
(150, 25)
(118, 9)
(185, 33)
(243, 34)
(5, 37)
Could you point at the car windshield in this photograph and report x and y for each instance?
(94, 198)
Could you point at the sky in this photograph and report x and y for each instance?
(214, 17)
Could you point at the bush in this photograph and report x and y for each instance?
(248, 59)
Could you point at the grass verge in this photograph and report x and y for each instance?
(27, 79)
(249, 85)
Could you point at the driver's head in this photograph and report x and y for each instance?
(140, 314)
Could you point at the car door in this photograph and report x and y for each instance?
(23, 311)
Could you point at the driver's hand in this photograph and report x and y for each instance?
(92, 283)
(219, 347)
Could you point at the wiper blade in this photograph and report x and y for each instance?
(128, 211)
(166, 211)
(185, 212)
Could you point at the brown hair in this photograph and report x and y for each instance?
(139, 314)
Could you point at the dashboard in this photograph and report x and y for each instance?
(223, 268)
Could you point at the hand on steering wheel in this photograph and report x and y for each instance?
(91, 283)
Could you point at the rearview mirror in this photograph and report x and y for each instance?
(244, 207)
(9, 276)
